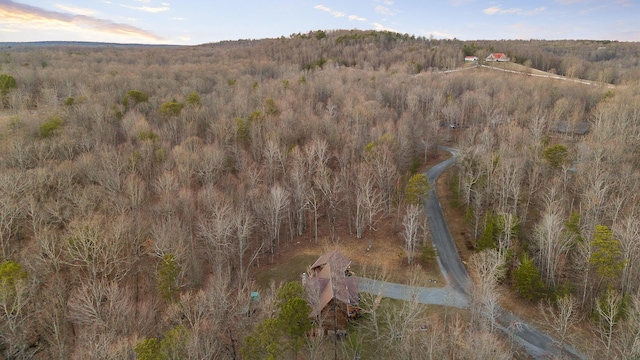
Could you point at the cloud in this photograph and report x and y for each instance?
(383, 10)
(568, 2)
(534, 11)
(178, 19)
(148, 9)
(340, 13)
(497, 10)
(461, 2)
(332, 12)
(381, 27)
(29, 17)
(76, 10)
(439, 34)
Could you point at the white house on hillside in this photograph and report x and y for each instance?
(497, 57)
(470, 58)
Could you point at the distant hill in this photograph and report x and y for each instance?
(76, 44)
(607, 62)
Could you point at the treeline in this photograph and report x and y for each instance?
(611, 62)
(141, 187)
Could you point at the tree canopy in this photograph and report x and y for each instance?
(417, 189)
(556, 155)
(7, 82)
(526, 277)
(607, 254)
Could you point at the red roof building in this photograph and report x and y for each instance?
(497, 57)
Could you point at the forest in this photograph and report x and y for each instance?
(143, 189)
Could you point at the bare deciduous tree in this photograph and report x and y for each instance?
(300, 183)
(608, 310)
(628, 334)
(385, 174)
(561, 316)
(314, 201)
(628, 231)
(275, 160)
(9, 216)
(16, 296)
(97, 250)
(331, 189)
(487, 268)
(216, 230)
(368, 201)
(412, 223)
(244, 223)
(107, 306)
(552, 242)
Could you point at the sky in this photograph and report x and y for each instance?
(193, 22)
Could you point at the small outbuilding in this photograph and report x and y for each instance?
(471, 58)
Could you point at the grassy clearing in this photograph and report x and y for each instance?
(289, 269)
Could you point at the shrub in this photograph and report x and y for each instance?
(50, 126)
(428, 255)
(11, 274)
(555, 155)
(148, 349)
(271, 108)
(171, 108)
(527, 280)
(243, 129)
(147, 135)
(7, 82)
(168, 277)
(137, 96)
(417, 189)
(134, 97)
(193, 99)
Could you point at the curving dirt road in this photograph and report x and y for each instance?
(536, 343)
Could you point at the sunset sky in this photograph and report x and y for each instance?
(190, 22)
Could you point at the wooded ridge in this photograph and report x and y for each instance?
(143, 188)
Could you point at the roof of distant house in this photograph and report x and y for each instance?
(580, 128)
(498, 55)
